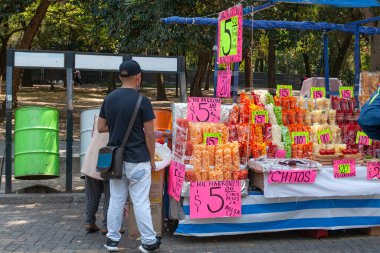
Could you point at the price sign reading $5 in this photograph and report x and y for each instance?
(230, 35)
(212, 199)
(203, 109)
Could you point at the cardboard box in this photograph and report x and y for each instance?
(157, 219)
(157, 186)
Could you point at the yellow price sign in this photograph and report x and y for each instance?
(230, 35)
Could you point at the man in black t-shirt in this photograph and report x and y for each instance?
(115, 115)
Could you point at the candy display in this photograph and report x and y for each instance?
(269, 126)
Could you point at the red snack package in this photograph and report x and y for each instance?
(236, 175)
(233, 135)
(267, 133)
(234, 115)
(243, 174)
(190, 176)
(271, 151)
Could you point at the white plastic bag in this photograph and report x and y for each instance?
(164, 153)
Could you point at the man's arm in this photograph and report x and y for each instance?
(150, 141)
(102, 125)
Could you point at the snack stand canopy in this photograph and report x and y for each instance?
(352, 27)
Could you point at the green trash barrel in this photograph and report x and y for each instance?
(36, 148)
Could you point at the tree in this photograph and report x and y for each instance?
(374, 39)
(27, 39)
(12, 21)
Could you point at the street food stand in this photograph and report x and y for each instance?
(272, 163)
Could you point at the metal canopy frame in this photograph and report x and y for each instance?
(352, 27)
(70, 61)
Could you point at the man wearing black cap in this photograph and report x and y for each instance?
(115, 114)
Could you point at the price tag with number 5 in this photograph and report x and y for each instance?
(317, 92)
(203, 109)
(230, 35)
(212, 199)
(284, 91)
(346, 92)
(260, 116)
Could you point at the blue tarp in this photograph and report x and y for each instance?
(336, 3)
(271, 24)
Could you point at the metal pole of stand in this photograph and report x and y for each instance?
(8, 128)
(69, 58)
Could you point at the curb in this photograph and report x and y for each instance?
(31, 198)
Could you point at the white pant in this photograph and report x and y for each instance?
(136, 180)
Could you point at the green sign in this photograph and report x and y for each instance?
(259, 116)
(284, 90)
(300, 138)
(212, 138)
(346, 92)
(317, 92)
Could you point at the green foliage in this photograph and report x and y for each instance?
(134, 27)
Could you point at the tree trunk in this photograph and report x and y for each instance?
(374, 39)
(111, 84)
(161, 93)
(257, 61)
(3, 56)
(248, 67)
(27, 39)
(196, 87)
(339, 59)
(261, 61)
(209, 71)
(272, 61)
(307, 64)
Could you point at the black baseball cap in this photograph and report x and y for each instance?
(129, 68)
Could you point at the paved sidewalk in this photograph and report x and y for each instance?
(58, 227)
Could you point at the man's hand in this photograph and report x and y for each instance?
(153, 165)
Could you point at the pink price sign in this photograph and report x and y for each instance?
(260, 116)
(230, 35)
(344, 168)
(203, 109)
(346, 92)
(295, 176)
(223, 89)
(280, 153)
(373, 170)
(363, 139)
(175, 180)
(324, 136)
(212, 199)
(284, 90)
(212, 138)
(300, 137)
(318, 92)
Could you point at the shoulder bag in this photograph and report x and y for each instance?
(111, 158)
